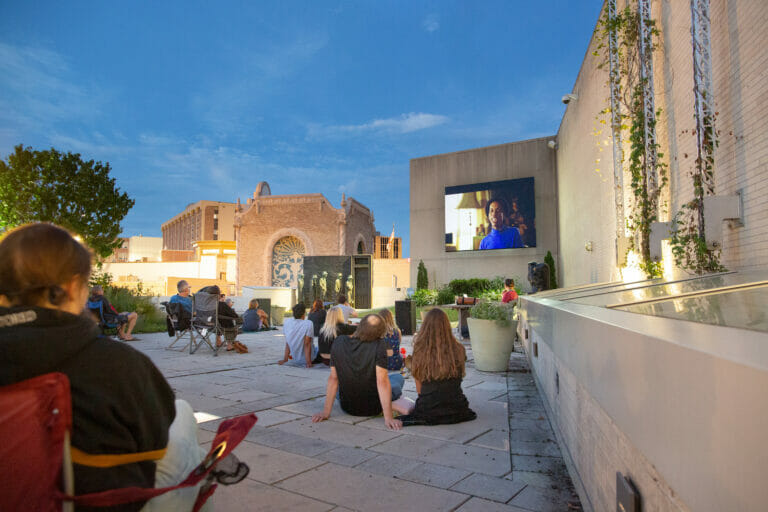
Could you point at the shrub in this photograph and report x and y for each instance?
(500, 313)
(422, 280)
(151, 319)
(550, 261)
(425, 297)
(471, 287)
(445, 296)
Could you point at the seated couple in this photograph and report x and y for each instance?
(125, 321)
(361, 381)
(300, 333)
(121, 403)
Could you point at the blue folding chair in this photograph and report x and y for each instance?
(97, 309)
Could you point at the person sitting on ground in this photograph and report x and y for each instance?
(438, 368)
(334, 326)
(121, 404)
(392, 336)
(348, 310)
(251, 317)
(262, 315)
(317, 315)
(125, 321)
(182, 298)
(359, 375)
(509, 291)
(298, 339)
(228, 322)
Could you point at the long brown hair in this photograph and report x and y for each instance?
(36, 259)
(317, 305)
(436, 353)
(389, 322)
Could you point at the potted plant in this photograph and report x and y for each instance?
(492, 335)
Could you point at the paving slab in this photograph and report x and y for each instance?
(496, 489)
(434, 475)
(359, 490)
(444, 453)
(341, 433)
(481, 505)
(493, 439)
(269, 465)
(388, 465)
(256, 497)
(347, 456)
(316, 405)
(543, 500)
(294, 443)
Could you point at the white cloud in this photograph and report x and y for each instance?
(405, 123)
(431, 23)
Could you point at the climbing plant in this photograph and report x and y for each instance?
(645, 204)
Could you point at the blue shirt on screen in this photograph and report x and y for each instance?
(508, 238)
(185, 302)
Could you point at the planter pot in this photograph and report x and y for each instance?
(491, 343)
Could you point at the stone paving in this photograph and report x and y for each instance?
(505, 460)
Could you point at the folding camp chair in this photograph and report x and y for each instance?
(205, 320)
(35, 421)
(180, 326)
(97, 309)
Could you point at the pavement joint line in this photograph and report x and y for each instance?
(324, 463)
(481, 434)
(457, 507)
(212, 371)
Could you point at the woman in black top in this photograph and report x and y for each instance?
(437, 369)
(317, 315)
(334, 326)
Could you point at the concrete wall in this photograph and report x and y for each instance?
(430, 176)
(678, 407)
(392, 273)
(584, 155)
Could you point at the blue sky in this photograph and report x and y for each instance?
(201, 100)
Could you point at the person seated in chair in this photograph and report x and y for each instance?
(125, 321)
(183, 298)
(228, 322)
(359, 376)
(122, 406)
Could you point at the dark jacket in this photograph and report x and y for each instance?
(120, 401)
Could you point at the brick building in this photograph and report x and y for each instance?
(382, 250)
(203, 220)
(274, 233)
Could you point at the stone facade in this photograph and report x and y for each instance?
(584, 157)
(270, 229)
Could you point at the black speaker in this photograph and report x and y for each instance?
(405, 316)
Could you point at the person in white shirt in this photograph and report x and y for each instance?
(298, 339)
(348, 310)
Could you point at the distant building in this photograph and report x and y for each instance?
(203, 220)
(137, 248)
(382, 250)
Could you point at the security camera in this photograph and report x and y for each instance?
(552, 144)
(568, 98)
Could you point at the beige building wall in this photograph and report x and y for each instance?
(429, 177)
(392, 273)
(145, 248)
(584, 155)
(203, 220)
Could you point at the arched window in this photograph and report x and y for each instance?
(287, 261)
(360, 247)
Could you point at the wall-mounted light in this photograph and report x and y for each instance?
(588, 246)
(552, 144)
(569, 98)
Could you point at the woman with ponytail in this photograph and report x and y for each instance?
(121, 403)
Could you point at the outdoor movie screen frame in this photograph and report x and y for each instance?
(512, 222)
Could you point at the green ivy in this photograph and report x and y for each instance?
(497, 311)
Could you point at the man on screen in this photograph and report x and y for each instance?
(501, 235)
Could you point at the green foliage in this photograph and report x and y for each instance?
(497, 311)
(151, 318)
(425, 297)
(445, 296)
(422, 280)
(550, 261)
(99, 277)
(645, 205)
(689, 248)
(49, 186)
(471, 287)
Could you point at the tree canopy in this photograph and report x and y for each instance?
(50, 186)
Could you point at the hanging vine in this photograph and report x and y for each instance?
(644, 206)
